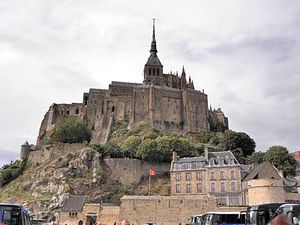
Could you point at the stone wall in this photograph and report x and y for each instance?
(262, 191)
(130, 171)
(169, 210)
(50, 152)
(105, 215)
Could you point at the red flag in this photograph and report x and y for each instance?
(152, 173)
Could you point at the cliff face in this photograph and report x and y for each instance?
(45, 187)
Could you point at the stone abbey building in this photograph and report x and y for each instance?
(164, 101)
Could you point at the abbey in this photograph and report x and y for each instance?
(164, 101)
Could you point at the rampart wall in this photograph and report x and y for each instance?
(129, 171)
(169, 210)
(50, 152)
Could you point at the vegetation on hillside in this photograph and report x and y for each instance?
(71, 130)
(11, 171)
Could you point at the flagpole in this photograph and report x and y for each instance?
(149, 184)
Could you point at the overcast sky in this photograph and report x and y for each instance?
(244, 54)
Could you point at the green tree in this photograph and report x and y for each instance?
(131, 144)
(234, 140)
(256, 158)
(113, 150)
(147, 150)
(279, 157)
(72, 130)
(12, 171)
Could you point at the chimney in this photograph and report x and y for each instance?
(174, 156)
(206, 153)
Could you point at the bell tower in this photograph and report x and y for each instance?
(153, 70)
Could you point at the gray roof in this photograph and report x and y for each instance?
(74, 204)
(264, 170)
(153, 60)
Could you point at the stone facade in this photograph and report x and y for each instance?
(164, 101)
(89, 214)
(168, 210)
(217, 174)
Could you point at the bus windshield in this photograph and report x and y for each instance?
(10, 215)
(13, 215)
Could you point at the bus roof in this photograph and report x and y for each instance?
(262, 206)
(8, 204)
(224, 212)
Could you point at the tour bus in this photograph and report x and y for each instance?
(11, 214)
(291, 212)
(197, 219)
(216, 218)
(261, 214)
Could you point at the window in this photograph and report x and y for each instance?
(199, 175)
(223, 187)
(232, 175)
(188, 176)
(149, 71)
(178, 176)
(232, 186)
(178, 188)
(188, 188)
(222, 175)
(199, 188)
(212, 187)
(157, 70)
(212, 175)
(234, 200)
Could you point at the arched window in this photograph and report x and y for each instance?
(212, 187)
(80, 222)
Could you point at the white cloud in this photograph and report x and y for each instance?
(244, 54)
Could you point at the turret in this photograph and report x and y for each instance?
(153, 70)
(183, 79)
(25, 151)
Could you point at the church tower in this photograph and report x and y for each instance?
(153, 70)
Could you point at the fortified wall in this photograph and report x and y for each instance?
(168, 210)
(127, 171)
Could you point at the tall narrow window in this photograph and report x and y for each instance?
(222, 175)
(188, 176)
(199, 187)
(178, 188)
(199, 175)
(213, 187)
(212, 175)
(157, 71)
(188, 188)
(232, 186)
(223, 187)
(232, 175)
(178, 176)
(149, 71)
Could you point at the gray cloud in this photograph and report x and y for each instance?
(245, 55)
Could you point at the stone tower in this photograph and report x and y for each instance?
(153, 70)
(25, 151)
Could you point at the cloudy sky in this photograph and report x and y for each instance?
(244, 54)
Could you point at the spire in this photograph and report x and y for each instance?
(153, 43)
(183, 79)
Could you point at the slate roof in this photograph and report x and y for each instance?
(153, 60)
(264, 170)
(74, 204)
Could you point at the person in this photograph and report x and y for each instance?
(280, 220)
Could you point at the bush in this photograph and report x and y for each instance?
(72, 130)
(10, 172)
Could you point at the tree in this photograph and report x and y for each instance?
(147, 150)
(131, 144)
(113, 150)
(72, 130)
(279, 157)
(256, 158)
(234, 140)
